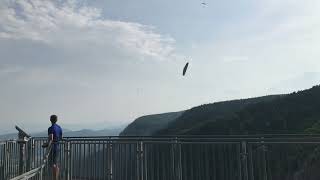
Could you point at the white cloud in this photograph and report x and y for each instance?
(302, 81)
(230, 59)
(71, 25)
(65, 57)
(274, 41)
(10, 69)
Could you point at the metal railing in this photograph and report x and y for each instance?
(37, 173)
(260, 157)
(9, 159)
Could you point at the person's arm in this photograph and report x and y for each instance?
(50, 135)
(50, 138)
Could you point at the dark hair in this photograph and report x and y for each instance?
(53, 118)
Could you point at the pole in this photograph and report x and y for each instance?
(244, 160)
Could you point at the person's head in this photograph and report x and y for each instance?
(53, 119)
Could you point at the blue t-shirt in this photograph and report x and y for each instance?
(56, 130)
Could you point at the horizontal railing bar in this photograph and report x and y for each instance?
(28, 174)
(195, 139)
(158, 140)
(190, 136)
(220, 136)
(181, 142)
(287, 142)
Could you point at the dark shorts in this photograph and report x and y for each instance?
(54, 157)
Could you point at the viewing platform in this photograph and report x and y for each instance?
(156, 158)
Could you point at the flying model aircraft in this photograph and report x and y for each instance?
(185, 68)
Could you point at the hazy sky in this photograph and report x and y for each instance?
(102, 63)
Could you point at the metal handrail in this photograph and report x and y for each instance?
(192, 136)
(38, 170)
(29, 174)
(250, 138)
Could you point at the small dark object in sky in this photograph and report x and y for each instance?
(204, 4)
(185, 69)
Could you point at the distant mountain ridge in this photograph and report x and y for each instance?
(69, 133)
(175, 123)
(85, 132)
(293, 113)
(202, 114)
(147, 125)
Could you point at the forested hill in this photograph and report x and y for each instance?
(201, 115)
(147, 125)
(298, 112)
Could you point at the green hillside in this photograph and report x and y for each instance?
(201, 115)
(297, 112)
(147, 125)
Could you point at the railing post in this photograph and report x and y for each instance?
(30, 154)
(23, 138)
(173, 156)
(145, 161)
(4, 163)
(264, 160)
(142, 156)
(67, 160)
(22, 146)
(244, 160)
(41, 174)
(264, 163)
(7, 161)
(140, 160)
(177, 157)
(250, 162)
(110, 159)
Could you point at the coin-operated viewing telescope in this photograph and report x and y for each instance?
(22, 135)
(23, 138)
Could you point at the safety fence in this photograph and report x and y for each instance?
(9, 159)
(263, 157)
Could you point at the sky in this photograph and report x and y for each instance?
(103, 63)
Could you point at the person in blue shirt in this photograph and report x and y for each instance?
(54, 135)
